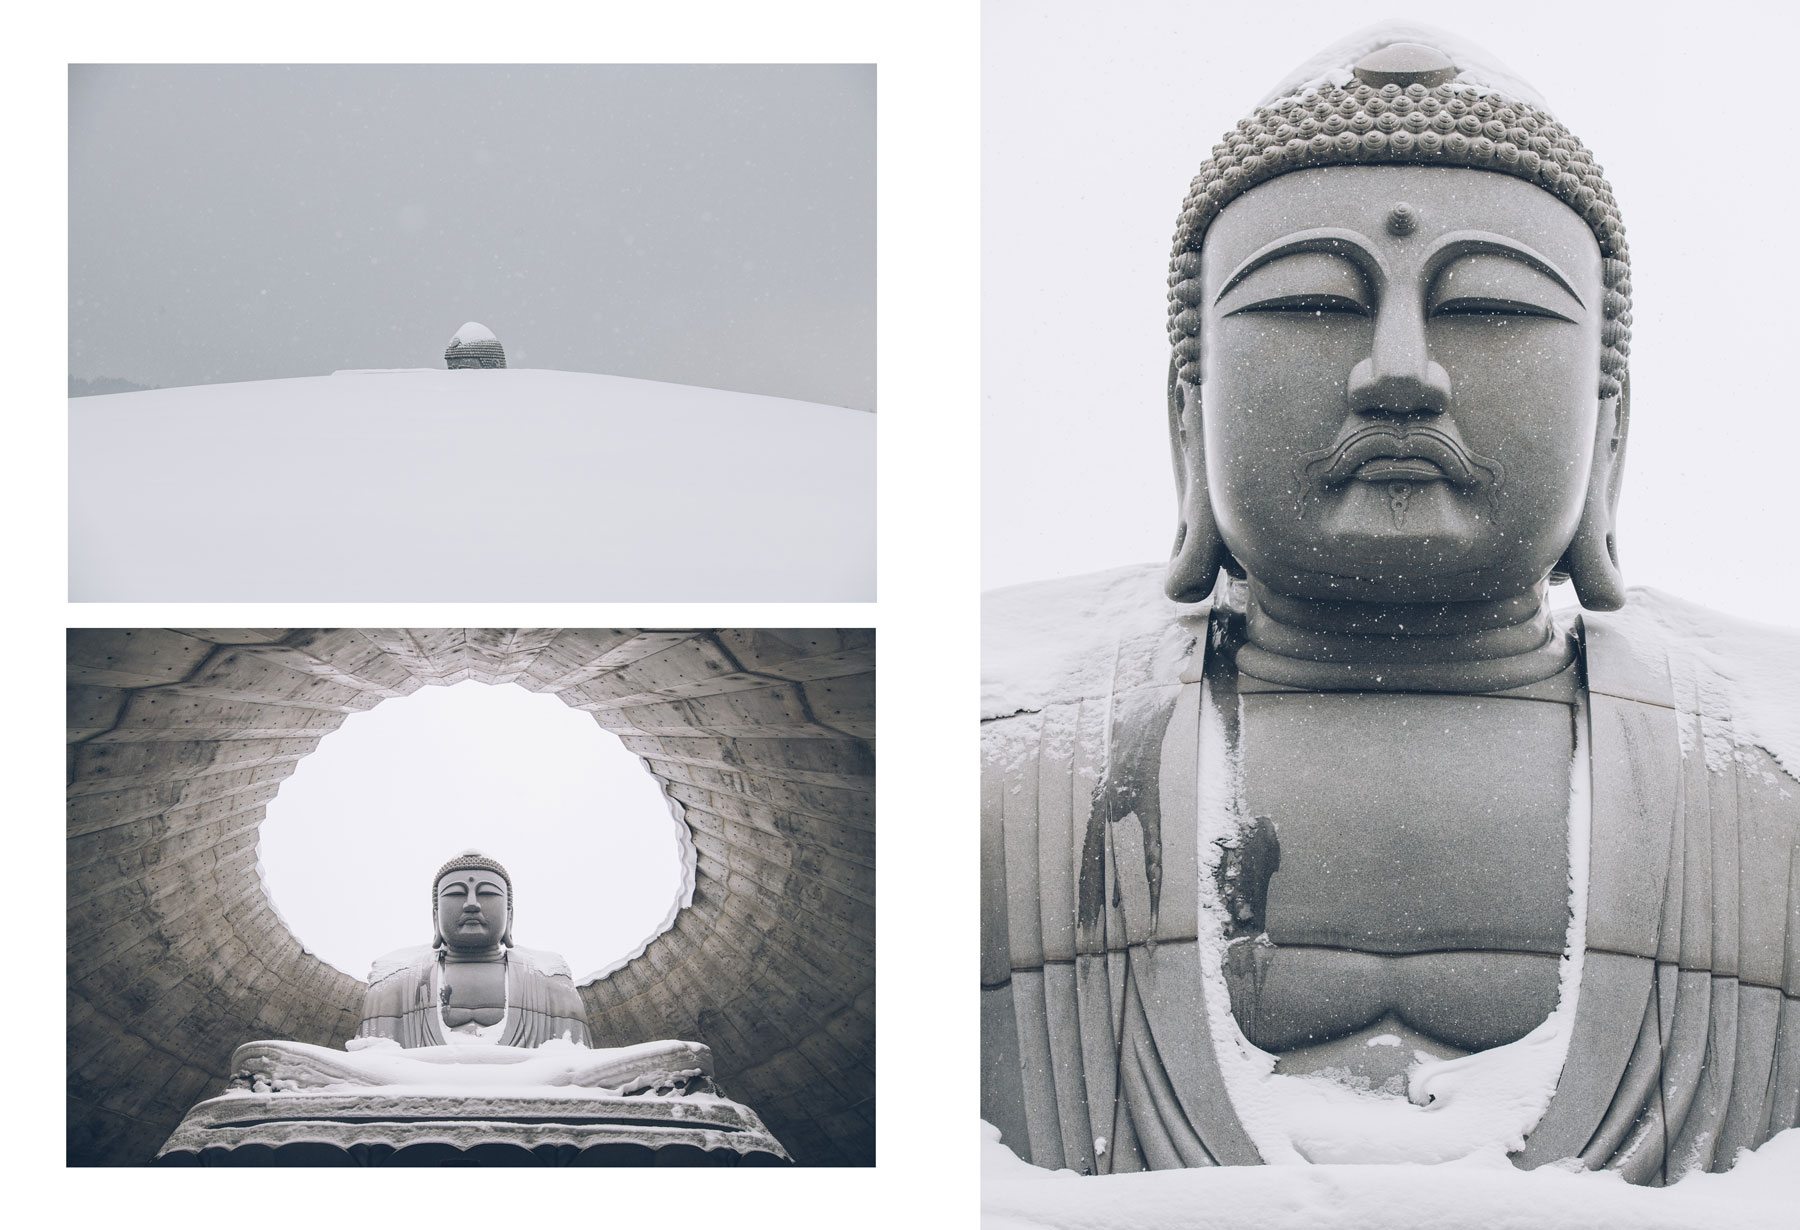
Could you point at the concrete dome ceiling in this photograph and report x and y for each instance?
(178, 739)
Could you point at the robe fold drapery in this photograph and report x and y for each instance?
(1097, 1052)
(401, 1002)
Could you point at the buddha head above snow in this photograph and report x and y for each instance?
(474, 346)
(1400, 307)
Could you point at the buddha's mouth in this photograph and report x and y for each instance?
(1387, 452)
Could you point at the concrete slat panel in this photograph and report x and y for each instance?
(1636, 759)
(1768, 806)
(1615, 991)
(1018, 809)
(1056, 870)
(132, 657)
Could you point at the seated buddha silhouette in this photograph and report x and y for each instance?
(1362, 826)
(471, 1051)
(472, 984)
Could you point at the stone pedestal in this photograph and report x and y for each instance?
(298, 1105)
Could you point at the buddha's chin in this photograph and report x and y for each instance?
(1400, 528)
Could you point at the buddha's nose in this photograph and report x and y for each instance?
(1399, 376)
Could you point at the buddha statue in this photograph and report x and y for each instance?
(1345, 846)
(471, 1051)
(472, 984)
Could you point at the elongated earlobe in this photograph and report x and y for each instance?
(1199, 551)
(1592, 560)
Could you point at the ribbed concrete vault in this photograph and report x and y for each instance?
(178, 739)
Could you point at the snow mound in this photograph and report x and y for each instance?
(502, 485)
(473, 331)
(1475, 65)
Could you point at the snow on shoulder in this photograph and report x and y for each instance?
(1740, 670)
(503, 485)
(1050, 641)
(1061, 640)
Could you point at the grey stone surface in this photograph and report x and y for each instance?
(1288, 997)
(175, 957)
(1377, 853)
(1634, 743)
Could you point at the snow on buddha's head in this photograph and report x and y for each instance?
(474, 345)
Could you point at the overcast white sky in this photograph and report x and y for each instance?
(698, 224)
(1096, 117)
(354, 837)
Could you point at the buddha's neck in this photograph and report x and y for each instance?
(454, 955)
(1427, 646)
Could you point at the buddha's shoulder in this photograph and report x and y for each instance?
(387, 965)
(1056, 642)
(550, 964)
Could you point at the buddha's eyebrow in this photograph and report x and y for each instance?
(1462, 243)
(1331, 239)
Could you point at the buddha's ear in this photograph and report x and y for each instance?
(1592, 560)
(1199, 551)
(437, 938)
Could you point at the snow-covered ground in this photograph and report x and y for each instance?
(1483, 1192)
(503, 485)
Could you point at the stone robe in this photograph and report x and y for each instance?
(542, 1002)
(1685, 1044)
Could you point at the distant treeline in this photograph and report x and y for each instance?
(104, 384)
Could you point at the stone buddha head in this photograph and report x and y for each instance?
(1400, 313)
(471, 904)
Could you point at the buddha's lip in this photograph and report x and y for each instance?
(1399, 469)
(1399, 451)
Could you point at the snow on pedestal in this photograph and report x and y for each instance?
(377, 1103)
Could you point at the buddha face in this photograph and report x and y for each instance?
(471, 909)
(1400, 370)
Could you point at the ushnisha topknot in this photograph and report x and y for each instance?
(1405, 95)
(470, 859)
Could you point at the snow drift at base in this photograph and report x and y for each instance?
(1483, 1192)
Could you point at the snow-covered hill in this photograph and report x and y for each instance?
(506, 485)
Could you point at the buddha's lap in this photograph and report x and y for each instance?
(1286, 997)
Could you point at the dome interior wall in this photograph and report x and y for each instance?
(179, 738)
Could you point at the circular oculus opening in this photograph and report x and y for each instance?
(600, 859)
